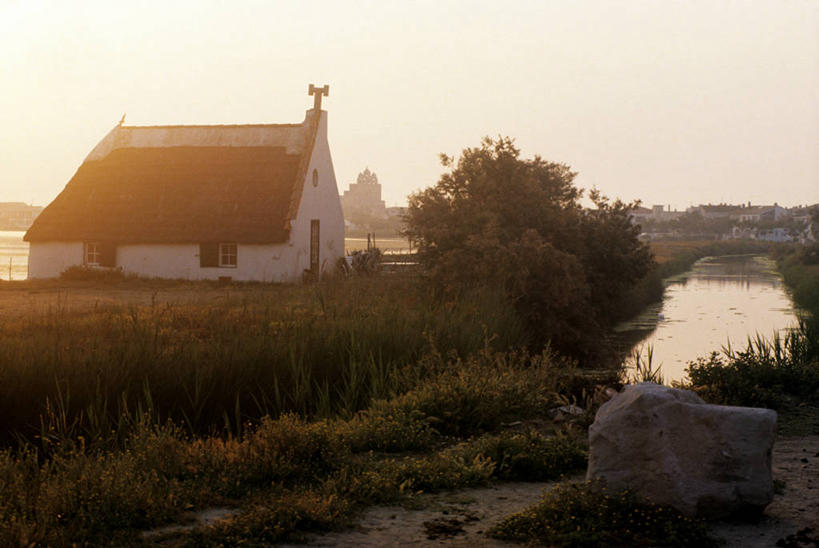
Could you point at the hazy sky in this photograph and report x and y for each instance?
(671, 102)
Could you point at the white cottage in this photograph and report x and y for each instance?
(248, 202)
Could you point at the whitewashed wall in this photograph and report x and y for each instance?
(323, 203)
(262, 263)
(48, 259)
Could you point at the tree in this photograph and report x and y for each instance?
(517, 225)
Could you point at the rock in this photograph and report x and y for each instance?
(672, 448)
(565, 412)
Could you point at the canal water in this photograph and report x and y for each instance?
(721, 301)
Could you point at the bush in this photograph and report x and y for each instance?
(588, 515)
(496, 220)
(527, 456)
(92, 274)
(766, 374)
(475, 395)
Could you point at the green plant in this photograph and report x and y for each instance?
(91, 274)
(589, 515)
(768, 373)
(527, 456)
(516, 225)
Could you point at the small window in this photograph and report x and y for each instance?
(227, 255)
(93, 253)
(315, 177)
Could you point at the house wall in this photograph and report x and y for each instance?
(49, 259)
(320, 202)
(263, 263)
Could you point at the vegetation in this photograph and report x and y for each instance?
(225, 356)
(588, 515)
(499, 221)
(290, 475)
(783, 372)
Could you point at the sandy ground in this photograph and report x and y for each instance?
(460, 518)
(796, 463)
(457, 518)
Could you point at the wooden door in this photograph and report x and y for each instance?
(315, 241)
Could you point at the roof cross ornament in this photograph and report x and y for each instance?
(317, 93)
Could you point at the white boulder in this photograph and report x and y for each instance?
(672, 448)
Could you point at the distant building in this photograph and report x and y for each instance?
(17, 215)
(778, 234)
(247, 202)
(656, 213)
(363, 199)
(719, 211)
(757, 214)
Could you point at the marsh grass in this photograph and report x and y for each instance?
(640, 367)
(289, 474)
(775, 372)
(212, 366)
(780, 372)
(589, 515)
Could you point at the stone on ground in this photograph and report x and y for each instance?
(672, 448)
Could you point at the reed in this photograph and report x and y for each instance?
(321, 350)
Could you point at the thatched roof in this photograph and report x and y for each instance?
(184, 184)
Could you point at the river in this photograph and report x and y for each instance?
(720, 301)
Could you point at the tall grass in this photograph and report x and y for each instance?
(775, 373)
(290, 473)
(780, 372)
(318, 350)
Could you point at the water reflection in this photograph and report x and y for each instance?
(13, 255)
(721, 300)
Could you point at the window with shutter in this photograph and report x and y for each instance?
(209, 255)
(108, 254)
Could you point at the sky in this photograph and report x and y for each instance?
(670, 102)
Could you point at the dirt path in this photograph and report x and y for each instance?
(461, 518)
(458, 518)
(796, 463)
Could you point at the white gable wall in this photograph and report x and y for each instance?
(321, 202)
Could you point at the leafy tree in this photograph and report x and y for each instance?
(516, 224)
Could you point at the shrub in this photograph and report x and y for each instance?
(766, 374)
(477, 394)
(527, 456)
(385, 427)
(588, 515)
(91, 274)
(276, 518)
